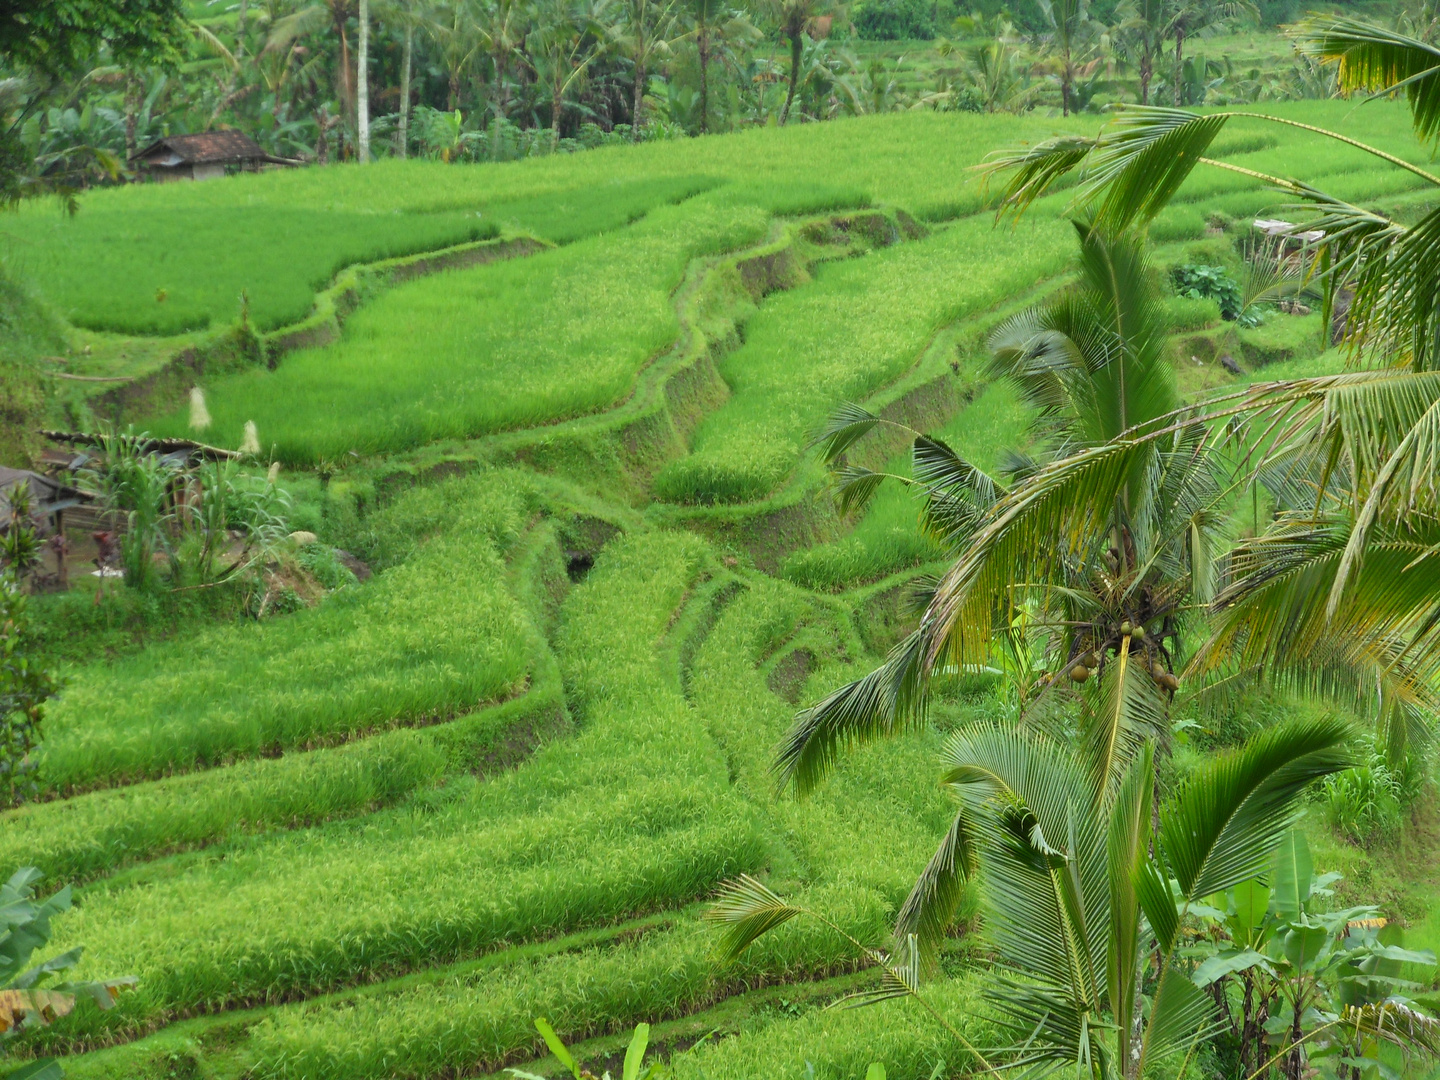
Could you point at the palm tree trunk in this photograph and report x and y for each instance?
(639, 105)
(240, 21)
(132, 109)
(404, 147)
(703, 44)
(1146, 65)
(557, 103)
(795, 46)
(362, 84)
(1179, 59)
(1065, 74)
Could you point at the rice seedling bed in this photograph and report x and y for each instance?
(861, 325)
(574, 837)
(467, 352)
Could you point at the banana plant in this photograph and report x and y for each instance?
(633, 1069)
(1292, 967)
(1084, 903)
(28, 999)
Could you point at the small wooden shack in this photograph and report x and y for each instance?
(49, 497)
(203, 156)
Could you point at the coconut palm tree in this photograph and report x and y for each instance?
(643, 34)
(1084, 904)
(1185, 19)
(1107, 566)
(705, 13)
(794, 17)
(362, 83)
(1360, 448)
(569, 36)
(1066, 18)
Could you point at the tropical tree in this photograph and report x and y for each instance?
(1187, 18)
(322, 18)
(794, 17)
(1066, 19)
(1106, 565)
(1086, 907)
(362, 83)
(1344, 582)
(999, 74)
(569, 36)
(706, 13)
(644, 34)
(28, 997)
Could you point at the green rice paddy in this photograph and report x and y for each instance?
(377, 837)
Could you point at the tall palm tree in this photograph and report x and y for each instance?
(1066, 18)
(644, 34)
(362, 83)
(569, 36)
(320, 17)
(1108, 566)
(1186, 18)
(1084, 904)
(705, 13)
(794, 16)
(1370, 437)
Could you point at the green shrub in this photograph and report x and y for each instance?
(1214, 283)
(894, 20)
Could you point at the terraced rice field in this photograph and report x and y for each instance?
(378, 837)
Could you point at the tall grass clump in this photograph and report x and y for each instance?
(436, 636)
(859, 326)
(468, 352)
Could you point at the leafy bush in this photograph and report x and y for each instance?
(894, 20)
(1214, 283)
(1366, 803)
(25, 686)
(324, 567)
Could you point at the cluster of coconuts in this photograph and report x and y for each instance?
(1086, 663)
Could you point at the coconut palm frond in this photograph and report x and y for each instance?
(1381, 61)
(1036, 169)
(214, 44)
(1383, 262)
(1224, 823)
(929, 910)
(856, 486)
(1181, 1015)
(1127, 846)
(1141, 161)
(1396, 1023)
(747, 910)
(1064, 507)
(1125, 713)
(886, 702)
(842, 429)
(900, 978)
(284, 32)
